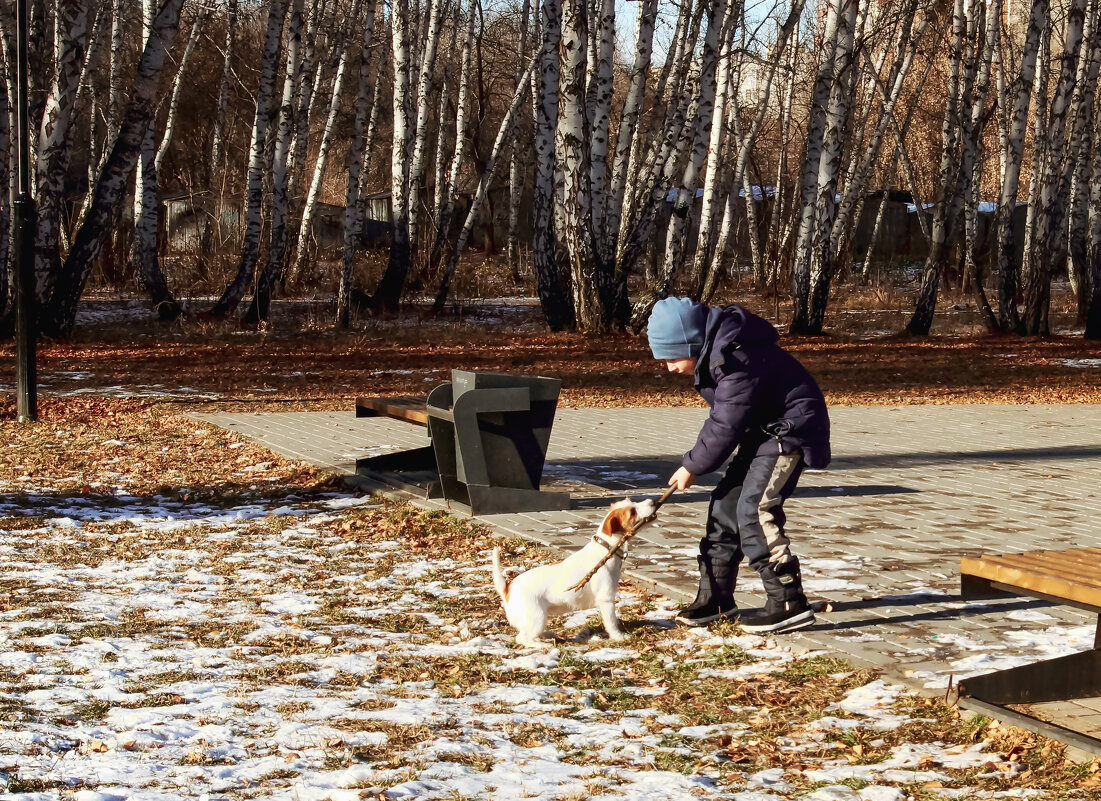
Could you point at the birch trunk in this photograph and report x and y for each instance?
(972, 167)
(355, 165)
(177, 87)
(442, 144)
(572, 144)
(483, 186)
(949, 179)
(97, 224)
(812, 162)
(1082, 114)
(98, 41)
(53, 140)
(446, 209)
(217, 138)
(829, 171)
(628, 127)
(713, 265)
(778, 211)
(420, 130)
(1021, 96)
(114, 106)
(727, 79)
(147, 265)
(372, 131)
(277, 245)
(306, 228)
(601, 79)
(305, 91)
(553, 290)
(516, 161)
(909, 39)
(389, 291)
(231, 297)
(7, 308)
(647, 164)
(1093, 314)
(701, 132)
(1051, 246)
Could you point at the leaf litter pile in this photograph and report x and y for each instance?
(185, 615)
(299, 361)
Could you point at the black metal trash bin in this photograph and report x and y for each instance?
(490, 432)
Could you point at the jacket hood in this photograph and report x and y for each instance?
(737, 324)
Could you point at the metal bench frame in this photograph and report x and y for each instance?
(1063, 678)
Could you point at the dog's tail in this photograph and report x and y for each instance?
(499, 580)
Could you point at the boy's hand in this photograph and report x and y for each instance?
(681, 479)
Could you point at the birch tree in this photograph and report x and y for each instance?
(947, 204)
(420, 123)
(388, 293)
(600, 91)
(608, 232)
(1093, 314)
(572, 145)
(445, 208)
(818, 169)
(553, 289)
(335, 98)
(146, 215)
(355, 166)
(277, 244)
(1017, 100)
(707, 267)
(1082, 115)
(53, 141)
(59, 314)
(1051, 245)
(250, 251)
(483, 187)
(516, 159)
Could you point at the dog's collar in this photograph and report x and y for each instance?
(608, 546)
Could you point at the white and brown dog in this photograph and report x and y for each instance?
(543, 592)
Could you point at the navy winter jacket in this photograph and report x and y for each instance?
(753, 385)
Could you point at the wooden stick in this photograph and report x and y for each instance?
(624, 537)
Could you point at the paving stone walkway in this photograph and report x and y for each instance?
(880, 533)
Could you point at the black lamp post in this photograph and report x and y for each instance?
(23, 225)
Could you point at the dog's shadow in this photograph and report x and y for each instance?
(589, 635)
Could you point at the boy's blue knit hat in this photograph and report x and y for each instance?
(675, 328)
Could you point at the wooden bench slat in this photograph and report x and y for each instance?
(1073, 574)
(411, 408)
(1047, 562)
(1089, 574)
(998, 573)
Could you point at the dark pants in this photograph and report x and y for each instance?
(746, 516)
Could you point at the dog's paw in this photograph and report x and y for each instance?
(528, 642)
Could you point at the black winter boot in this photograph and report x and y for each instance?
(715, 597)
(786, 608)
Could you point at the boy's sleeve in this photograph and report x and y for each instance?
(722, 431)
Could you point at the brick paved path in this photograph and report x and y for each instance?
(880, 533)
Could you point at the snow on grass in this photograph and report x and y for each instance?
(311, 644)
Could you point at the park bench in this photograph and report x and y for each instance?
(489, 435)
(1071, 577)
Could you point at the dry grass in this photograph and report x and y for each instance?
(300, 362)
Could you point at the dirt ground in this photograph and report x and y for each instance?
(299, 361)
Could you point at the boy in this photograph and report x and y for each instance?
(765, 405)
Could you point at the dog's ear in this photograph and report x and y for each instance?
(618, 520)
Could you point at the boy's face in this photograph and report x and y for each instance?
(681, 366)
